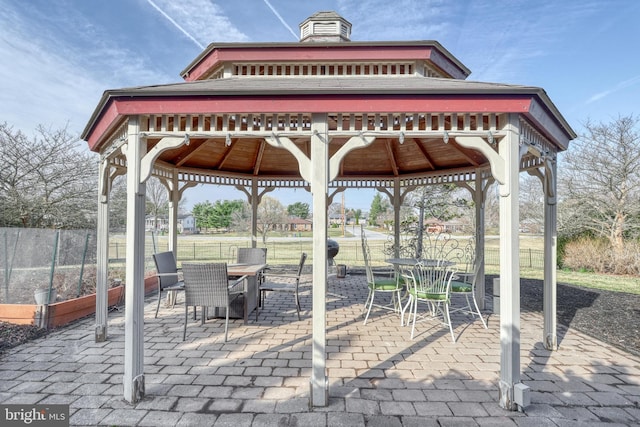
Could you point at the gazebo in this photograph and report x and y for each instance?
(326, 114)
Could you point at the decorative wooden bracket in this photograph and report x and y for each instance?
(304, 163)
(103, 189)
(352, 144)
(166, 143)
(247, 193)
(496, 162)
(548, 180)
(333, 194)
(403, 192)
(168, 184)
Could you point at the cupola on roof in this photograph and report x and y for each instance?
(325, 26)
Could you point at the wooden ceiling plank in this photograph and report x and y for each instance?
(226, 156)
(258, 160)
(194, 148)
(392, 157)
(463, 152)
(424, 152)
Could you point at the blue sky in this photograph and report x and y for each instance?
(59, 56)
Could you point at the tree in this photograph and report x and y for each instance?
(357, 214)
(379, 207)
(270, 214)
(600, 182)
(118, 204)
(222, 213)
(433, 201)
(442, 202)
(201, 212)
(299, 209)
(241, 218)
(219, 215)
(531, 203)
(157, 201)
(47, 180)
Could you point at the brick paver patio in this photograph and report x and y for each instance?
(378, 376)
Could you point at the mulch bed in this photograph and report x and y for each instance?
(12, 335)
(612, 317)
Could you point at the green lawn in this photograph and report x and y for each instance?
(215, 248)
(629, 284)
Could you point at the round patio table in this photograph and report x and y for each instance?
(415, 261)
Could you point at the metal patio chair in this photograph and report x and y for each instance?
(168, 276)
(379, 284)
(430, 285)
(464, 284)
(273, 282)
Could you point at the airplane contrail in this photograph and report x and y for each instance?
(275, 12)
(630, 82)
(170, 19)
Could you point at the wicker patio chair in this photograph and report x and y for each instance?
(207, 285)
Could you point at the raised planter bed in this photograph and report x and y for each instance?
(64, 312)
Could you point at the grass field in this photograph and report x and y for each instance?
(219, 247)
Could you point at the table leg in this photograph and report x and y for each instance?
(250, 296)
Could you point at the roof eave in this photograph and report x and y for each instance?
(111, 95)
(323, 45)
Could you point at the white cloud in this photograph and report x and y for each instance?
(202, 19)
(397, 20)
(53, 78)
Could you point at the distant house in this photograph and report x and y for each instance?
(335, 218)
(434, 225)
(186, 223)
(156, 223)
(299, 224)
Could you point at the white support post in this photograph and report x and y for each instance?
(319, 170)
(397, 202)
(133, 380)
(479, 195)
(396, 198)
(174, 202)
(509, 152)
(254, 201)
(254, 197)
(102, 252)
(550, 257)
(319, 189)
(479, 198)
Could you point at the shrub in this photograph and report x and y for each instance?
(597, 255)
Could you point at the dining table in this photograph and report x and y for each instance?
(242, 307)
(400, 263)
(422, 261)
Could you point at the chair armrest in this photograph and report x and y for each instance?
(290, 276)
(462, 276)
(235, 283)
(178, 274)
